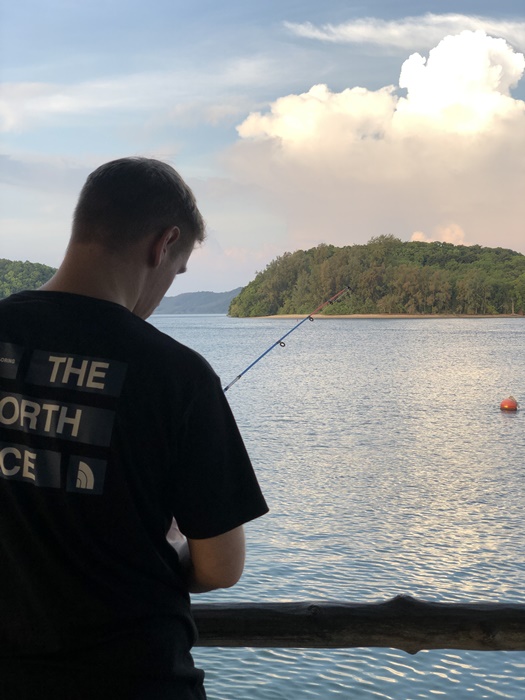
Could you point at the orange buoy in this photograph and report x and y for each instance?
(509, 404)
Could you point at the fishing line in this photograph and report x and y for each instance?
(281, 342)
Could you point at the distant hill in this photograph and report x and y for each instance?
(388, 276)
(198, 303)
(15, 276)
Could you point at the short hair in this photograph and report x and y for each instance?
(127, 199)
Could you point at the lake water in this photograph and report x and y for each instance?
(389, 469)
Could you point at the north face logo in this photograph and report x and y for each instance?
(86, 475)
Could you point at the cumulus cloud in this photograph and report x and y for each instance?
(410, 33)
(463, 86)
(358, 163)
(446, 234)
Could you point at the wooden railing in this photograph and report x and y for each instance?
(402, 623)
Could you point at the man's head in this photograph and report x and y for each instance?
(129, 199)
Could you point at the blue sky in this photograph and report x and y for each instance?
(296, 123)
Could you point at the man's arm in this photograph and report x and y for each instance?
(215, 562)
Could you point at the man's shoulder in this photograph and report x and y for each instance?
(96, 324)
(165, 346)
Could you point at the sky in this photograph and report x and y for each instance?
(295, 122)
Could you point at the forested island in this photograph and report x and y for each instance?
(16, 276)
(389, 276)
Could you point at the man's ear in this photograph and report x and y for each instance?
(161, 245)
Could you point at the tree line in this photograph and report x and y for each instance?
(390, 276)
(15, 276)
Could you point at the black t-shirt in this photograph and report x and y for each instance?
(108, 429)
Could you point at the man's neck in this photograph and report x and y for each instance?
(90, 271)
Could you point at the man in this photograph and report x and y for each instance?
(112, 436)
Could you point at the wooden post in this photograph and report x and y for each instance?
(402, 623)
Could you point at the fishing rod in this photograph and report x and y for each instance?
(281, 342)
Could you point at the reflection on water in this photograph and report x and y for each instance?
(389, 469)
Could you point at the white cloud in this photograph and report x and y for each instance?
(346, 166)
(22, 104)
(300, 120)
(451, 233)
(463, 86)
(207, 96)
(411, 33)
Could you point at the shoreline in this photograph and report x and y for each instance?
(389, 316)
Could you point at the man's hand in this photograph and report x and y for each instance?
(175, 536)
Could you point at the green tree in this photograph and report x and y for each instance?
(17, 276)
